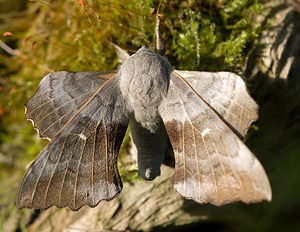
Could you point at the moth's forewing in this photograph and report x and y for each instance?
(211, 163)
(79, 166)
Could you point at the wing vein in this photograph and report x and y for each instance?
(184, 160)
(53, 171)
(87, 102)
(212, 169)
(65, 174)
(60, 108)
(38, 180)
(218, 155)
(233, 166)
(238, 118)
(227, 98)
(193, 128)
(106, 159)
(77, 172)
(208, 157)
(113, 151)
(219, 158)
(197, 164)
(55, 122)
(51, 99)
(200, 98)
(93, 160)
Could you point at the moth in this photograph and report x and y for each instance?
(85, 116)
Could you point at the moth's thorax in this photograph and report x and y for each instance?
(144, 82)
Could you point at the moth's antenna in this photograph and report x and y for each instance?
(160, 47)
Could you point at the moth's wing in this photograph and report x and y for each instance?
(59, 96)
(226, 93)
(79, 166)
(211, 163)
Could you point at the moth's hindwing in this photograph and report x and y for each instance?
(59, 96)
(226, 93)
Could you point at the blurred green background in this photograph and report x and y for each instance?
(199, 35)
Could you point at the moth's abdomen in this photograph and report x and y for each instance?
(150, 148)
(144, 83)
